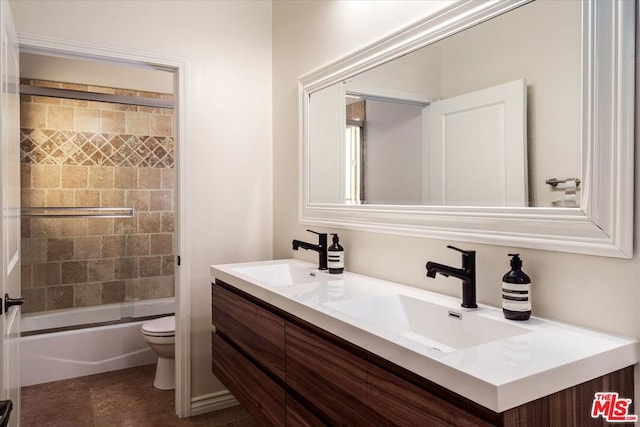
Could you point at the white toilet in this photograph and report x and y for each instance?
(160, 334)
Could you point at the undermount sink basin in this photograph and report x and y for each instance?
(284, 274)
(429, 324)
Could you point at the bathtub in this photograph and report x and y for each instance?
(77, 342)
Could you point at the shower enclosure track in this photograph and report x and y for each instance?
(94, 96)
(77, 212)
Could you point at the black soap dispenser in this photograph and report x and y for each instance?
(516, 291)
(335, 256)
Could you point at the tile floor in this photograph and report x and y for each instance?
(115, 399)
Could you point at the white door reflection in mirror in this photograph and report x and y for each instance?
(477, 148)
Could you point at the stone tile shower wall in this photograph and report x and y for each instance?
(88, 154)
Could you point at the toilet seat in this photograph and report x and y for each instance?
(162, 327)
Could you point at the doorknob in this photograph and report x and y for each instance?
(8, 302)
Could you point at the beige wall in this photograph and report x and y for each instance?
(595, 292)
(228, 48)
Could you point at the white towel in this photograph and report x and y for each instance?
(569, 200)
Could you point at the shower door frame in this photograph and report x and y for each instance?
(179, 67)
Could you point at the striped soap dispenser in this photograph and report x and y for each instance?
(516, 291)
(335, 256)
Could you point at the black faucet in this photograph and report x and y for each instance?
(321, 248)
(467, 274)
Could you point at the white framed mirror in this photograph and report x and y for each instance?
(571, 70)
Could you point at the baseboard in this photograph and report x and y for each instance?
(212, 402)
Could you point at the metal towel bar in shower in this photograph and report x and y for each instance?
(77, 212)
(554, 181)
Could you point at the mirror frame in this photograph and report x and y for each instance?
(603, 225)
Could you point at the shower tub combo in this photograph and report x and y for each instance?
(66, 248)
(72, 343)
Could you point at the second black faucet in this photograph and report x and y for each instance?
(467, 274)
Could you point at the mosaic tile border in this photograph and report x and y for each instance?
(59, 147)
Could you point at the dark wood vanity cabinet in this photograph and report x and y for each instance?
(248, 356)
(263, 397)
(287, 372)
(256, 331)
(350, 390)
(299, 416)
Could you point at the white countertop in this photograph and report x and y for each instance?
(499, 375)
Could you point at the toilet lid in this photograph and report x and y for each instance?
(162, 326)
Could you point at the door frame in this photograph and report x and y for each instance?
(10, 205)
(179, 66)
(391, 95)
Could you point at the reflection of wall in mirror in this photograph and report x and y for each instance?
(412, 73)
(325, 126)
(393, 173)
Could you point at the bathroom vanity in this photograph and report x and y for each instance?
(298, 346)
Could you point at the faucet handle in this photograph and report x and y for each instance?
(462, 251)
(322, 237)
(315, 232)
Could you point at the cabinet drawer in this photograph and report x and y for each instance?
(350, 390)
(255, 330)
(258, 393)
(299, 416)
